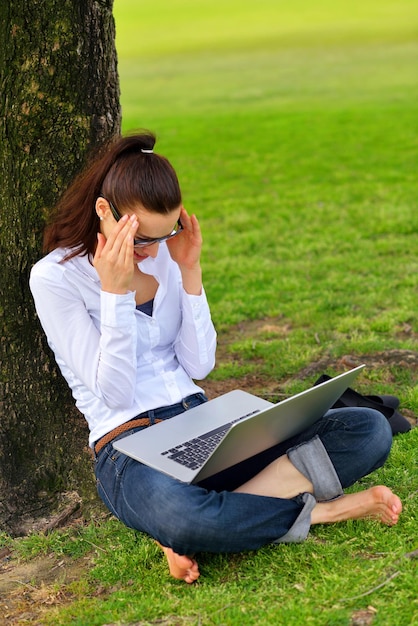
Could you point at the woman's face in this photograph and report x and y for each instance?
(153, 227)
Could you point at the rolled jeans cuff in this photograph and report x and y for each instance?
(300, 528)
(312, 460)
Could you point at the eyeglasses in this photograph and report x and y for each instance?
(141, 243)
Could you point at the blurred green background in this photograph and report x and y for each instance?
(293, 128)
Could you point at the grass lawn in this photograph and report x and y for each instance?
(293, 128)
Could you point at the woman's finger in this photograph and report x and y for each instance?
(101, 242)
(185, 219)
(195, 225)
(119, 232)
(190, 223)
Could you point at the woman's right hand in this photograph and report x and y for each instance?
(113, 258)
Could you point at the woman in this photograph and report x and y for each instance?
(121, 300)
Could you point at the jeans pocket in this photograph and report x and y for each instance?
(105, 498)
(117, 461)
(109, 470)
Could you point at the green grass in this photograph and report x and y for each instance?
(293, 130)
(324, 580)
(297, 153)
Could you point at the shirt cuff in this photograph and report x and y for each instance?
(116, 309)
(196, 308)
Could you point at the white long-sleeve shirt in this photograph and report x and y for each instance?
(117, 360)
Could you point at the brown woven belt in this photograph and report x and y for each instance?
(123, 428)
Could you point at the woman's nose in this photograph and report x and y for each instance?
(152, 249)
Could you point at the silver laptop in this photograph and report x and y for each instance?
(229, 429)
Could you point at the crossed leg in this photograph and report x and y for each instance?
(281, 479)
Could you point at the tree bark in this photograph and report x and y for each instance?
(59, 98)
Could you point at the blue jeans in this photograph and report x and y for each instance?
(209, 517)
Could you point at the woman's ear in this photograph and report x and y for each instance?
(102, 207)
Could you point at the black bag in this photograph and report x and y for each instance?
(387, 405)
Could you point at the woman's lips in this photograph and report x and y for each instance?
(139, 257)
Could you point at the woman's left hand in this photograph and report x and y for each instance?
(185, 250)
(186, 247)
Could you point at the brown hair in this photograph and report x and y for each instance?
(124, 174)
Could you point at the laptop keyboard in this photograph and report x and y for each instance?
(193, 453)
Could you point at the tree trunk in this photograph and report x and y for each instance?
(59, 98)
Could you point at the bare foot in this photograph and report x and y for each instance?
(375, 503)
(181, 566)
